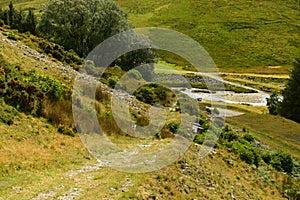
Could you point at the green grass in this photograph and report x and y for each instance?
(275, 131)
(241, 35)
(23, 3)
(237, 33)
(265, 84)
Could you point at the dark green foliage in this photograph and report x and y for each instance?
(199, 138)
(12, 36)
(229, 135)
(11, 14)
(21, 20)
(50, 86)
(30, 22)
(81, 25)
(158, 135)
(66, 130)
(146, 95)
(112, 81)
(282, 161)
(290, 106)
(154, 94)
(173, 127)
(7, 113)
(203, 123)
(56, 51)
(246, 155)
(251, 154)
(26, 97)
(273, 103)
(27, 91)
(267, 157)
(248, 137)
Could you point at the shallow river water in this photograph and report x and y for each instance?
(253, 99)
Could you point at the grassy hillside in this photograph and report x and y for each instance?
(24, 3)
(239, 33)
(244, 33)
(276, 131)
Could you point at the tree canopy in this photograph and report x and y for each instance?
(81, 25)
(290, 106)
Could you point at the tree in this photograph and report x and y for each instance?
(290, 106)
(81, 25)
(30, 22)
(11, 14)
(273, 103)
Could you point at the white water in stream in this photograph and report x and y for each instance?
(253, 99)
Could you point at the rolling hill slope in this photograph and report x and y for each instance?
(243, 33)
(236, 33)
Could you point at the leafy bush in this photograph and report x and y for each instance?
(249, 138)
(135, 74)
(282, 161)
(146, 95)
(52, 87)
(247, 155)
(66, 130)
(7, 113)
(199, 138)
(173, 126)
(158, 135)
(112, 81)
(27, 91)
(266, 157)
(229, 135)
(12, 36)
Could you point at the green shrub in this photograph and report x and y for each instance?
(135, 74)
(66, 130)
(7, 113)
(229, 136)
(52, 87)
(1, 23)
(282, 161)
(247, 155)
(146, 95)
(199, 138)
(173, 127)
(158, 135)
(226, 129)
(267, 157)
(249, 138)
(112, 81)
